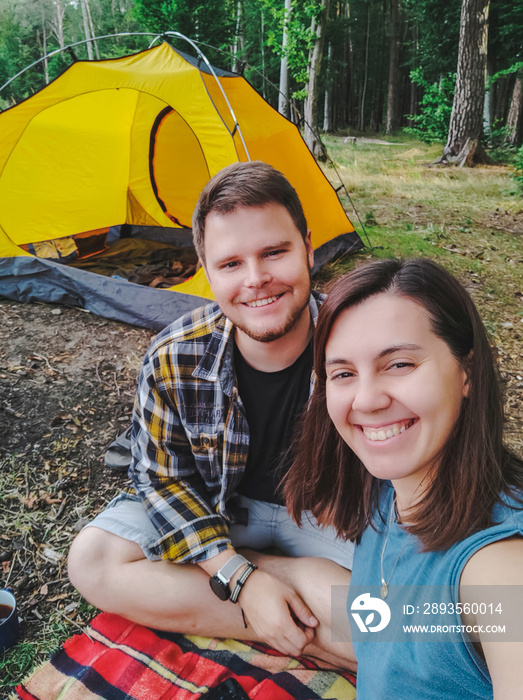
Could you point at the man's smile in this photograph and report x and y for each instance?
(262, 302)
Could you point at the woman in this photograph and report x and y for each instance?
(409, 462)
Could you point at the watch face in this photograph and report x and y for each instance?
(219, 588)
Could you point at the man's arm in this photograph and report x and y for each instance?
(165, 476)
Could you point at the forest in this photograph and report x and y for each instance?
(329, 65)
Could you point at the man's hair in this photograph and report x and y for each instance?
(473, 467)
(252, 184)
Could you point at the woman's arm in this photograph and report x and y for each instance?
(497, 573)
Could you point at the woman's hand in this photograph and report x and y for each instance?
(277, 614)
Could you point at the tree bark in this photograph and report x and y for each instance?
(239, 40)
(361, 120)
(413, 95)
(393, 116)
(310, 106)
(44, 37)
(327, 104)
(347, 92)
(86, 30)
(463, 143)
(59, 26)
(283, 97)
(514, 119)
(91, 28)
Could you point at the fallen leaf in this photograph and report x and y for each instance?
(30, 501)
(61, 596)
(51, 555)
(69, 608)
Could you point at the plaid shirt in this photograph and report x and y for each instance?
(190, 435)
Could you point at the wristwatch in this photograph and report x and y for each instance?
(220, 581)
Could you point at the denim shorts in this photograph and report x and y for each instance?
(269, 526)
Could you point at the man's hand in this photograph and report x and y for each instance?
(277, 613)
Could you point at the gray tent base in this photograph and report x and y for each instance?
(30, 279)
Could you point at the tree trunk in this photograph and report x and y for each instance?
(239, 40)
(262, 49)
(361, 120)
(514, 120)
(310, 106)
(91, 27)
(327, 104)
(393, 117)
(463, 144)
(413, 97)
(60, 11)
(44, 39)
(86, 29)
(347, 90)
(283, 97)
(501, 105)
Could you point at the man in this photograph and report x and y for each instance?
(218, 396)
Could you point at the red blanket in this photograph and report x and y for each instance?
(118, 660)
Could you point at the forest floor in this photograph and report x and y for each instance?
(67, 377)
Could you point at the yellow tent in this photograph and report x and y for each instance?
(133, 141)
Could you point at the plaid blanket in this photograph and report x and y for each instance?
(119, 660)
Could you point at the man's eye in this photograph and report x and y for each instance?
(231, 265)
(275, 252)
(401, 365)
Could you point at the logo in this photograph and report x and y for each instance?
(365, 603)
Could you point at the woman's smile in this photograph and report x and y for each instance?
(394, 389)
(388, 431)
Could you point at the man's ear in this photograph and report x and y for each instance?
(310, 249)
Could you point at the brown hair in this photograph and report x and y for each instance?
(474, 468)
(252, 184)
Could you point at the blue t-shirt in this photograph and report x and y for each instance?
(411, 669)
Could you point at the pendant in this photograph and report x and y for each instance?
(384, 590)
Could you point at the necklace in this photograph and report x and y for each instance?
(385, 584)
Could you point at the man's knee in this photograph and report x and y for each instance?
(94, 553)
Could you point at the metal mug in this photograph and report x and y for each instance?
(9, 627)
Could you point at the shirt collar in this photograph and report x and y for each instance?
(217, 361)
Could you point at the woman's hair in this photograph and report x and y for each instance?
(474, 468)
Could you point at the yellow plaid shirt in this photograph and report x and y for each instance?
(190, 435)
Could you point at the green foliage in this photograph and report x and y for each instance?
(516, 68)
(300, 38)
(432, 124)
(518, 175)
(499, 150)
(207, 21)
(436, 39)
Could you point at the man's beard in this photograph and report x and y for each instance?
(275, 333)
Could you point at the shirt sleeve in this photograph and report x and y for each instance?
(164, 474)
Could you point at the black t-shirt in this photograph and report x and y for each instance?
(273, 402)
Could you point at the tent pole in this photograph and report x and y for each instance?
(204, 58)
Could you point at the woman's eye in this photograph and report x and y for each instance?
(401, 365)
(345, 374)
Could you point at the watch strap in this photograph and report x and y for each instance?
(231, 567)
